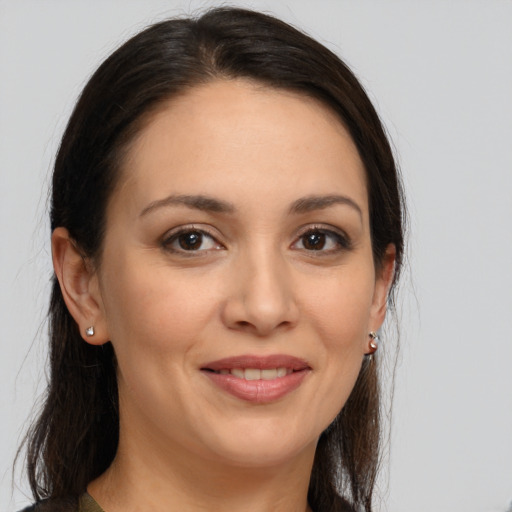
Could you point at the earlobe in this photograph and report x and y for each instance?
(79, 287)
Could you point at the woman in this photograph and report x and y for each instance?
(226, 235)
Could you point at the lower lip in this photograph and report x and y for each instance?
(258, 391)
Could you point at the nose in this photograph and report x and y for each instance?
(261, 297)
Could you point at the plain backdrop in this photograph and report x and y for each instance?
(440, 73)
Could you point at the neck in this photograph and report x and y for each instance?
(144, 478)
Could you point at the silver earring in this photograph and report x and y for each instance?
(373, 341)
(89, 331)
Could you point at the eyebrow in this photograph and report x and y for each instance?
(312, 203)
(197, 202)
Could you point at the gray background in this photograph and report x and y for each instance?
(440, 73)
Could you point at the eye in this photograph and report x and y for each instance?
(190, 240)
(321, 240)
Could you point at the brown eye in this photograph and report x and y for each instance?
(190, 241)
(314, 241)
(324, 241)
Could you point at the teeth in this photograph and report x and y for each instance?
(281, 372)
(269, 374)
(252, 374)
(256, 373)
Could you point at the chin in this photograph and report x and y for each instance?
(256, 445)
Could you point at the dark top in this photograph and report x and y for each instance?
(85, 503)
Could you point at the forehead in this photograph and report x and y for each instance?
(229, 137)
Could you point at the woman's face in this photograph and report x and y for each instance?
(237, 282)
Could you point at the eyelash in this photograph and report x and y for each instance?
(341, 240)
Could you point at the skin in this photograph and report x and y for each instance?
(253, 285)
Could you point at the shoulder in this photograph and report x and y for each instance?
(54, 505)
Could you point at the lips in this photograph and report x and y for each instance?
(257, 379)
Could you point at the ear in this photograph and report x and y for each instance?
(383, 281)
(79, 286)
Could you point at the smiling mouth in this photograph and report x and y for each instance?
(258, 379)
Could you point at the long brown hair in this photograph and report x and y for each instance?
(75, 438)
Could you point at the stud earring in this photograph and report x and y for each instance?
(89, 331)
(373, 342)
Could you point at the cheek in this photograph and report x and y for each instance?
(340, 308)
(156, 319)
(153, 314)
(339, 314)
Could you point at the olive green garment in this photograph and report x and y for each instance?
(87, 503)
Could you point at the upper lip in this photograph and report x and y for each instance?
(259, 362)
